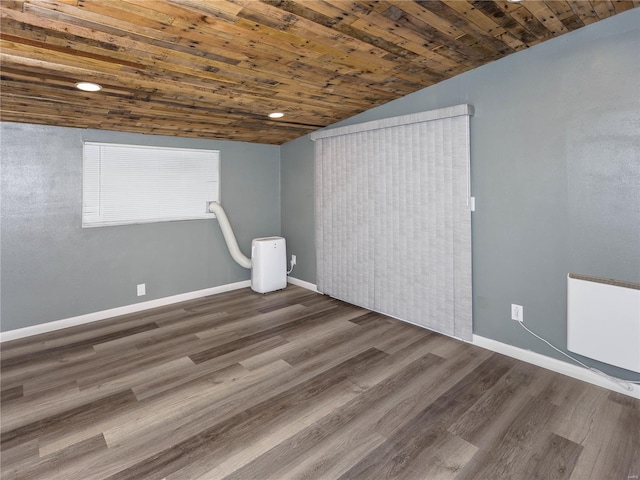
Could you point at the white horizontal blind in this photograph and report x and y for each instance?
(125, 184)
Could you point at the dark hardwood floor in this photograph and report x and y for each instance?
(296, 385)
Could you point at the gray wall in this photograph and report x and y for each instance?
(52, 269)
(298, 215)
(555, 154)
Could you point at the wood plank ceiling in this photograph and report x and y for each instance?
(216, 68)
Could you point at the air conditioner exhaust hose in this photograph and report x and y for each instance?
(229, 237)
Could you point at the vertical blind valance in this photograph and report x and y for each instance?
(431, 115)
(393, 226)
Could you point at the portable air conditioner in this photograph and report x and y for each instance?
(268, 264)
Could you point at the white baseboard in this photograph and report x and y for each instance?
(554, 365)
(114, 312)
(303, 284)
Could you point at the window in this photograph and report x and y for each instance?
(125, 184)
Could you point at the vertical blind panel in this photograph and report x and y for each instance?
(322, 217)
(346, 205)
(125, 184)
(461, 223)
(393, 223)
(414, 269)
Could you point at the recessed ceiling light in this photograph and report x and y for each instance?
(514, 1)
(88, 87)
(276, 115)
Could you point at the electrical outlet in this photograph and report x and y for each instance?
(293, 260)
(517, 312)
(142, 289)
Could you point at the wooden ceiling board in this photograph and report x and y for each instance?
(215, 68)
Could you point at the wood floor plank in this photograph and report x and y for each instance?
(12, 393)
(617, 429)
(337, 346)
(187, 408)
(418, 397)
(389, 385)
(486, 420)
(301, 341)
(218, 468)
(253, 322)
(113, 367)
(148, 431)
(81, 332)
(306, 413)
(45, 466)
(442, 461)
(242, 425)
(190, 325)
(400, 338)
(557, 459)
(85, 414)
(331, 459)
(60, 439)
(295, 385)
(181, 376)
(32, 373)
(509, 456)
(392, 458)
(43, 404)
(289, 451)
(558, 389)
(15, 460)
(574, 419)
(100, 365)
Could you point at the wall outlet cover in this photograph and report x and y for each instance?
(517, 312)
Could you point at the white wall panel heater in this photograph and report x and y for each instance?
(269, 264)
(603, 320)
